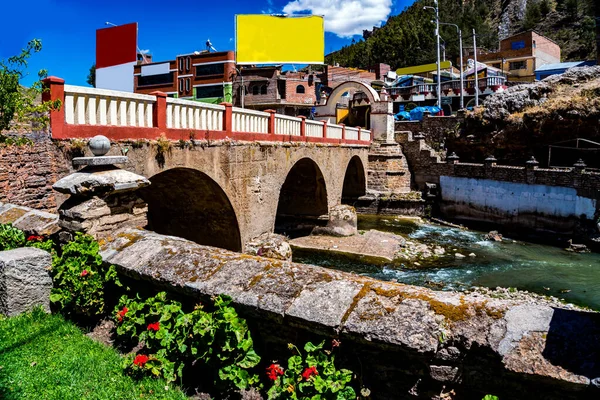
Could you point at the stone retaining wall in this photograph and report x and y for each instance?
(435, 129)
(427, 167)
(27, 172)
(402, 341)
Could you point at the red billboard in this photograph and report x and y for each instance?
(116, 45)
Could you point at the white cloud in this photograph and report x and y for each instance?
(345, 18)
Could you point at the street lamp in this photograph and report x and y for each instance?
(462, 96)
(475, 65)
(437, 36)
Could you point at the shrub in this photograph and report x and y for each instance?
(13, 238)
(80, 278)
(311, 377)
(220, 340)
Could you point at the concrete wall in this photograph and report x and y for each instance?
(541, 207)
(556, 215)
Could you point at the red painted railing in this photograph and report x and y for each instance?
(87, 112)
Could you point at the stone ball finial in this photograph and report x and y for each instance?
(99, 145)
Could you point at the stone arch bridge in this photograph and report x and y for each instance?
(225, 194)
(220, 175)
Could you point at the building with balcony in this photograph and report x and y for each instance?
(520, 55)
(202, 76)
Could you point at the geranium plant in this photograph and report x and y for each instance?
(310, 376)
(80, 278)
(219, 339)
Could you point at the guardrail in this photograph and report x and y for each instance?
(86, 112)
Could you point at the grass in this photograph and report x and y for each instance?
(45, 357)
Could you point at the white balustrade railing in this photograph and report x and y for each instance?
(286, 125)
(334, 131)
(90, 106)
(244, 120)
(314, 129)
(365, 135)
(351, 133)
(101, 107)
(188, 114)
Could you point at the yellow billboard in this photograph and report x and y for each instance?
(268, 39)
(419, 69)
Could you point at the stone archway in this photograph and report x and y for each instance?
(355, 183)
(329, 109)
(302, 199)
(187, 203)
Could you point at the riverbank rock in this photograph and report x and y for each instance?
(342, 222)
(493, 236)
(270, 245)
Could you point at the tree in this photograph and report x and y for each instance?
(572, 8)
(545, 7)
(533, 15)
(18, 101)
(91, 78)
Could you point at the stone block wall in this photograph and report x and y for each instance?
(27, 173)
(433, 128)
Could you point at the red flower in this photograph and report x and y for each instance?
(308, 372)
(155, 326)
(140, 360)
(273, 370)
(84, 272)
(122, 313)
(34, 237)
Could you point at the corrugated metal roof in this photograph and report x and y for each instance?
(563, 65)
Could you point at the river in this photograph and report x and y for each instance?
(534, 267)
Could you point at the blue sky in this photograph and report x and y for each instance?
(67, 28)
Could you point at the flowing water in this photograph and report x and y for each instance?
(537, 268)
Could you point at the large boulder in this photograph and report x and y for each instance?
(270, 245)
(25, 281)
(342, 222)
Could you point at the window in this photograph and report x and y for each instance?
(203, 92)
(300, 89)
(520, 44)
(161, 79)
(210, 69)
(517, 65)
(255, 90)
(263, 89)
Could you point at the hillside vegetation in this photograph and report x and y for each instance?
(408, 38)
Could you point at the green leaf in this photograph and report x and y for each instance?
(309, 347)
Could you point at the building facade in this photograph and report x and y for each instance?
(520, 55)
(201, 76)
(269, 88)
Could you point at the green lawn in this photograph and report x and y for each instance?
(45, 357)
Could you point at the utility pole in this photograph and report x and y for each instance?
(476, 77)
(437, 37)
(242, 89)
(462, 86)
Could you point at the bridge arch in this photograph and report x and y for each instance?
(355, 182)
(302, 198)
(188, 203)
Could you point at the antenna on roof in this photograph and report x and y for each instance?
(209, 46)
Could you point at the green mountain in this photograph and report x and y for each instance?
(408, 38)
